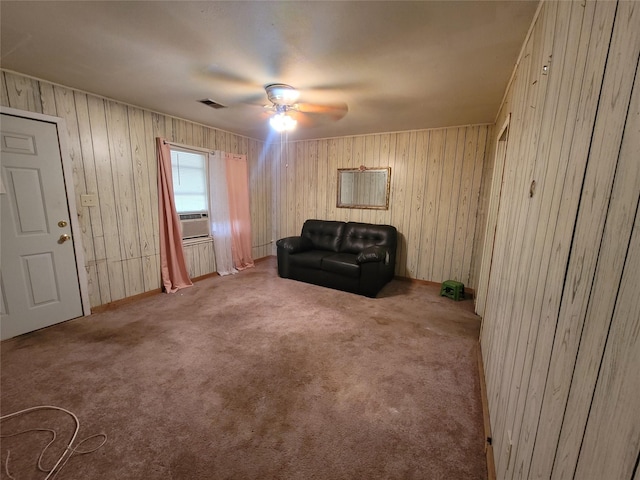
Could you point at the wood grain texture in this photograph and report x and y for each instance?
(435, 183)
(113, 152)
(496, 322)
(615, 397)
(614, 252)
(106, 201)
(560, 250)
(23, 93)
(518, 219)
(112, 148)
(594, 211)
(95, 264)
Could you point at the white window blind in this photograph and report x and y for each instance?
(189, 181)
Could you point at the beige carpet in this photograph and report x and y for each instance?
(255, 377)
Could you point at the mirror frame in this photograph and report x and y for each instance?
(377, 206)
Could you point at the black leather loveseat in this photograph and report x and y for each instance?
(350, 256)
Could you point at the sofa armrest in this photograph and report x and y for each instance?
(374, 253)
(294, 244)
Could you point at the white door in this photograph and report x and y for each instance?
(38, 272)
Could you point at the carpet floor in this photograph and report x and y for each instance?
(252, 376)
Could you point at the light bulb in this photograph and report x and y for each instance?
(281, 122)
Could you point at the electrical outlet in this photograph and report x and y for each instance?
(89, 200)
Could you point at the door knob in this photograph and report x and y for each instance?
(64, 237)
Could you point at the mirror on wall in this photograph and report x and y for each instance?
(364, 187)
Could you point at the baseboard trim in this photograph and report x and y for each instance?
(262, 259)
(205, 276)
(491, 465)
(467, 291)
(125, 301)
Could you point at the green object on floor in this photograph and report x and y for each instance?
(452, 289)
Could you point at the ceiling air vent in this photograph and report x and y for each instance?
(211, 103)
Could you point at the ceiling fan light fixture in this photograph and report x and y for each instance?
(281, 94)
(281, 122)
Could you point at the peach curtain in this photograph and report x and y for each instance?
(172, 265)
(230, 214)
(239, 213)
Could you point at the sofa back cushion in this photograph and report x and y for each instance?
(324, 234)
(358, 236)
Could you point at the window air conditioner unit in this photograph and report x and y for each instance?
(194, 225)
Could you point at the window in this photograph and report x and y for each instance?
(189, 172)
(189, 181)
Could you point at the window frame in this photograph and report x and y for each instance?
(205, 154)
(193, 151)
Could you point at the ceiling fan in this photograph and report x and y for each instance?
(287, 112)
(291, 106)
(283, 103)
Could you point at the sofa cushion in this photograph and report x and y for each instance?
(309, 259)
(342, 264)
(324, 234)
(358, 236)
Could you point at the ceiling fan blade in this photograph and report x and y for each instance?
(220, 74)
(316, 118)
(255, 100)
(339, 86)
(304, 120)
(334, 111)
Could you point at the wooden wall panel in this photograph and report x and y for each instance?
(572, 141)
(558, 338)
(615, 402)
(113, 152)
(401, 191)
(469, 193)
(506, 256)
(259, 163)
(126, 236)
(112, 149)
(615, 272)
(23, 93)
(435, 184)
(517, 223)
(94, 248)
(588, 249)
(114, 281)
(200, 258)
(433, 167)
(413, 217)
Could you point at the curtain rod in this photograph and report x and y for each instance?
(201, 150)
(188, 147)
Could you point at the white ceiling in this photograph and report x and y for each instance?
(397, 65)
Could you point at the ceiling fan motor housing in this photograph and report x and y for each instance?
(281, 94)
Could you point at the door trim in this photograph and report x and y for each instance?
(484, 278)
(67, 173)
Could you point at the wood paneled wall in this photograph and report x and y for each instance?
(561, 328)
(435, 185)
(112, 148)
